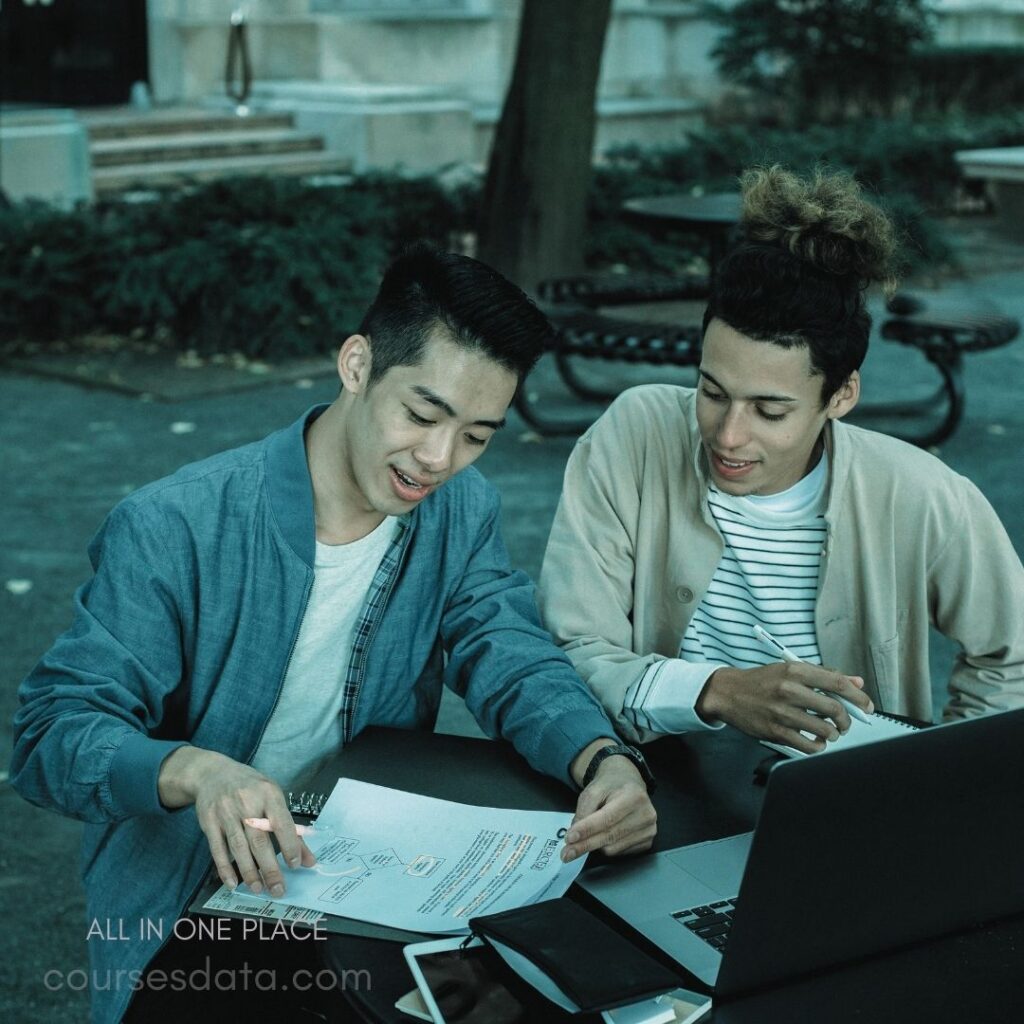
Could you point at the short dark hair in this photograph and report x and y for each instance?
(808, 251)
(426, 289)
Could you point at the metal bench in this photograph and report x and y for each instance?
(593, 290)
(581, 333)
(941, 335)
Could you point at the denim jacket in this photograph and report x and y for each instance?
(184, 634)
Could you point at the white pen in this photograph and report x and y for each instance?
(786, 654)
(263, 824)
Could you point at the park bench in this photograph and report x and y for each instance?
(582, 332)
(943, 336)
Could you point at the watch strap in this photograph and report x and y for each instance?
(622, 750)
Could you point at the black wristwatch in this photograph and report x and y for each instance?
(625, 751)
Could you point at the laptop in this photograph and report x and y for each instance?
(857, 853)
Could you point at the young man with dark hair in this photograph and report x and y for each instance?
(252, 613)
(690, 516)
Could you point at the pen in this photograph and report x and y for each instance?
(786, 654)
(263, 824)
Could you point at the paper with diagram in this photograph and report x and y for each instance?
(414, 862)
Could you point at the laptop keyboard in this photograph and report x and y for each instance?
(710, 923)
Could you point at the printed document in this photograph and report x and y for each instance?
(425, 865)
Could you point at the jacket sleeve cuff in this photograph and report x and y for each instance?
(567, 737)
(134, 771)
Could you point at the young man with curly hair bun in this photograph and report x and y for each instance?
(690, 516)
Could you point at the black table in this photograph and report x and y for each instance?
(713, 216)
(706, 790)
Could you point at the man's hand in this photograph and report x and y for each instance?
(224, 792)
(774, 702)
(614, 814)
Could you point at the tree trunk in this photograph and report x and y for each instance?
(534, 207)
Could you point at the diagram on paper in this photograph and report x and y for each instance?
(337, 859)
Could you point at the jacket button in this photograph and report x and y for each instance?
(684, 594)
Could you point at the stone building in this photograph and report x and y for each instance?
(346, 84)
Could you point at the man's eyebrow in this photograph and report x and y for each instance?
(435, 399)
(752, 398)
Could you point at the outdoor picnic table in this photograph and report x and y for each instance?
(943, 331)
(712, 215)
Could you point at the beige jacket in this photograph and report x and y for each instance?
(633, 548)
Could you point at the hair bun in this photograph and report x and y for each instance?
(824, 220)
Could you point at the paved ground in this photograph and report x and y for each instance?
(69, 453)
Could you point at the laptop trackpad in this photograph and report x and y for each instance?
(718, 864)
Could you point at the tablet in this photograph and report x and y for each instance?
(463, 981)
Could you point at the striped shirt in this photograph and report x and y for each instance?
(768, 575)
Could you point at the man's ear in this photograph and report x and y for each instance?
(845, 398)
(354, 360)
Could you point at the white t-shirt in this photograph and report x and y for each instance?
(304, 728)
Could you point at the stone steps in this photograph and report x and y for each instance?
(207, 145)
(132, 149)
(181, 172)
(126, 123)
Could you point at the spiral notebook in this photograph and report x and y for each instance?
(882, 727)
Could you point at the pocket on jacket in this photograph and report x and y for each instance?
(885, 662)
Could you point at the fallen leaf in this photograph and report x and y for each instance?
(190, 360)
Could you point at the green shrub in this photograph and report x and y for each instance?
(963, 79)
(48, 270)
(824, 61)
(909, 164)
(268, 267)
(274, 267)
(266, 290)
(399, 210)
(820, 60)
